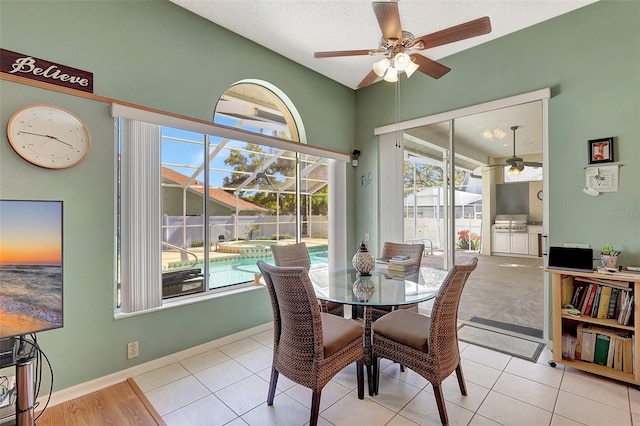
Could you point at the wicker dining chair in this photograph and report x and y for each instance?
(309, 346)
(298, 255)
(427, 345)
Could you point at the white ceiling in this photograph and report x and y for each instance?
(298, 28)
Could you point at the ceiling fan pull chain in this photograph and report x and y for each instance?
(397, 107)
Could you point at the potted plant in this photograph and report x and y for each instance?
(609, 256)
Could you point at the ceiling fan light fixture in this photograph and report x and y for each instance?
(381, 66)
(411, 68)
(392, 75)
(401, 61)
(513, 170)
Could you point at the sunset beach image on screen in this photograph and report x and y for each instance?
(30, 266)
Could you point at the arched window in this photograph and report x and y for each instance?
(220, 195)
(261, 108)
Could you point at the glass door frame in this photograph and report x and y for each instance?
(385, 133)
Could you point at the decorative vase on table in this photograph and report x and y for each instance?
(363, 288)
(363, 261)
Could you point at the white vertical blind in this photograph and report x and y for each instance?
(141, 258)
(337, 215)
(391, 189)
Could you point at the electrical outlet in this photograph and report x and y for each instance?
(366, 237)
(132, 349)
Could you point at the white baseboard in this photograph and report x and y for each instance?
(85, 388)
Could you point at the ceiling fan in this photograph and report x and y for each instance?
(517, 163)
(396, 45)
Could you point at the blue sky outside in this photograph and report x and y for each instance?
(177, 153)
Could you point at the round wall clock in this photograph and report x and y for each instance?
(540, 195)
(49, 136)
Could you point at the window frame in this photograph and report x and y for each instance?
(154, 117)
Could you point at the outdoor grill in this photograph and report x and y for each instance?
(511, 223)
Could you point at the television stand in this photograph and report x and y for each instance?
(22, 360)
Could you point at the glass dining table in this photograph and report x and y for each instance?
(380, 289)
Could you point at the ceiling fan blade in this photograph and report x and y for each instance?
(531, 164)
(464, 31)
(389, 19)
(336, 53)
(370, 78)
(429, 67)
(490, 166)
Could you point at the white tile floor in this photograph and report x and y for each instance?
(228, 386)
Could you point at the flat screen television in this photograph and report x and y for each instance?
(30, 267)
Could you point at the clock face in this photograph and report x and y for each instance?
(540, 195)
(49, 136)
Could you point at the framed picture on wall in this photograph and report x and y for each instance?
(600, 150)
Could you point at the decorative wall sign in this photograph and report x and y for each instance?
(41, 70)
(603, 178)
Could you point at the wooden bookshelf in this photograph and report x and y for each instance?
(563, 322)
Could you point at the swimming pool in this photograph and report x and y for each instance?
(243, 270)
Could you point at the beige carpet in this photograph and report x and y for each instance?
(502, 288)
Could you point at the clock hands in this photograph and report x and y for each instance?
(46, 136)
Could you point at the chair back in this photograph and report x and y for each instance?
(291, 255)
(414, 251)
(443, 332)
(298, 343)
(274, 306)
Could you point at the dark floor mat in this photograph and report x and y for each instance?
(528, 331)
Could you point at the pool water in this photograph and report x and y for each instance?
(238, 271)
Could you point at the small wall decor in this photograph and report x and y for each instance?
(600, 150)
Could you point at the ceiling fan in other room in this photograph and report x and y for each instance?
(517, 163)
(397, 46)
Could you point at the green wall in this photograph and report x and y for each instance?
(155, 54)
(590, 59)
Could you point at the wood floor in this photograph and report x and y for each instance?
(118, 405)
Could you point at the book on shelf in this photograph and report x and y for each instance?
(603, 302)
(613, 302)
(588, 342)
(586, 307)
(627, 357)
(598, 300)
(601, 349)
(609, 347)
(570, 311)
(568, 290)
(578, 355)
(593, 312)
(569, 347)
(618, 357)
(626, 309)
(611, 283)
(577, 295)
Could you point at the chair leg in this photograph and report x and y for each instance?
(376, 374)
(360, 376)
(370, 379)
(315, 407)
(437, 390)
(272, 385)
(461, 382)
